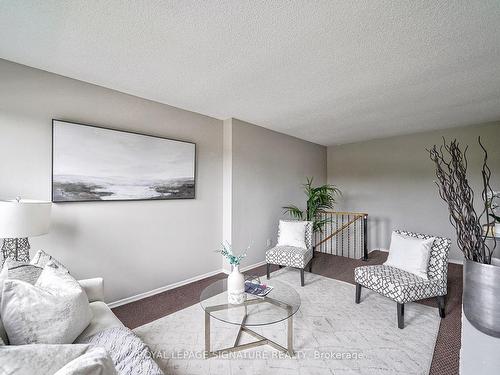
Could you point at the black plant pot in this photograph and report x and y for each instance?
(481, 298)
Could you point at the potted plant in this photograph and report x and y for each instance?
(481, 302)
(319, 198)
(235, 281)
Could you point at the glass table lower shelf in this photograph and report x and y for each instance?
(279, 305)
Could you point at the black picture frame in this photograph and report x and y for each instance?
(163, 198)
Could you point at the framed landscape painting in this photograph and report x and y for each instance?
(91, 163)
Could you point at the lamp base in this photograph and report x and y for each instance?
(16, 249)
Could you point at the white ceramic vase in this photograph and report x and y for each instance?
(236, 287)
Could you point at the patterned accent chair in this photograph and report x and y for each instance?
(402, 286)
(290, 256)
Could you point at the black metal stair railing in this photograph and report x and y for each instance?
(343, 234)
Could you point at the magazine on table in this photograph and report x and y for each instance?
(256, 289)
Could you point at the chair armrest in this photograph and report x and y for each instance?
(94, 288)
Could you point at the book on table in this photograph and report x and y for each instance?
(256, 289)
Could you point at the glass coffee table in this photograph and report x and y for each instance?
(279, 305)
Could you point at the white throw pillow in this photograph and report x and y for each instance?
(39, 359)
(292, 233)
(95, 362)
(410, 254)
(53, 311)
(3, 276)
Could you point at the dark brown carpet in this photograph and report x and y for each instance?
(446, 353)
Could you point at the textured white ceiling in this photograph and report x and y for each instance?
(327, 71)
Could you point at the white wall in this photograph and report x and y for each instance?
(268, 169)
(135, 246)
(392, 180)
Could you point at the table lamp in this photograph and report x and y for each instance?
(20, 219)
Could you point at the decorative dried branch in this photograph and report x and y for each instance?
(451, 172)
(488, 196)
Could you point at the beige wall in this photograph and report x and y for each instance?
(135, 246)
(268, 169)
(141, 246)
(392, 180)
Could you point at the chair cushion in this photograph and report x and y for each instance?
(398, 285)
(289, 256)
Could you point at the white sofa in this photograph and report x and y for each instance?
(128, 353)
(103, 317)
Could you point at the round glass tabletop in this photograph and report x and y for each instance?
(279, 304)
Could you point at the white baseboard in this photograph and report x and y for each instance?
(161, 289)
(258, 264)
(150, 293)
(384, 250)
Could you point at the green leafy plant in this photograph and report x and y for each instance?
(320, 198)
(227, 252)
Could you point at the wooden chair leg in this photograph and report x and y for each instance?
(268, 269)
(401, 319)
(358, 293)
(301, 277)
(441, 305)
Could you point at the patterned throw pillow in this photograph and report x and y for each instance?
(22, 271)
(41, 259)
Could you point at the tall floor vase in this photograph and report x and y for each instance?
(481, 319)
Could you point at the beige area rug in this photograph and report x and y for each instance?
(332, 335)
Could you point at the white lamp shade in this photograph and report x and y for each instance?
(24, 218)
